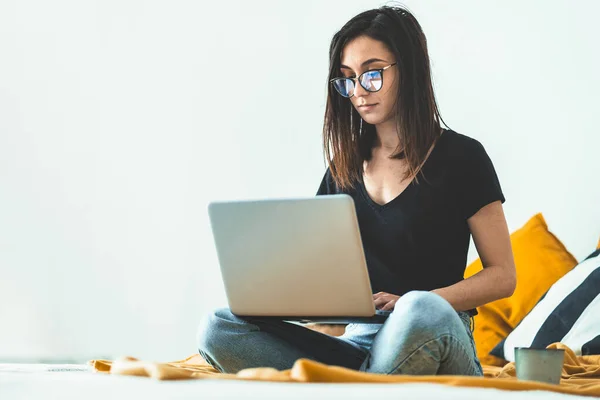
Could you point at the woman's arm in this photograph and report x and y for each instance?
(498, 277)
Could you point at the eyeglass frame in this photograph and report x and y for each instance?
(357, 79)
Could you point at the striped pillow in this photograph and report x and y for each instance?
(568, 313)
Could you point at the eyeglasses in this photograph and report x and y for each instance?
(371, 81)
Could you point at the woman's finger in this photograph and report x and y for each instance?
(380, 301)
(378, 294)
(389, 305)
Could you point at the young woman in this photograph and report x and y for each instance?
(420, 192)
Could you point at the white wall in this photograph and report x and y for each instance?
(121, 120)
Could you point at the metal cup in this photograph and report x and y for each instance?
(541, 365)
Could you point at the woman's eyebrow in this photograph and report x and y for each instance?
(369, 61)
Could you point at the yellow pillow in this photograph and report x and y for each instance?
(541, 259)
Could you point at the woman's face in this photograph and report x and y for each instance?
(363, 54)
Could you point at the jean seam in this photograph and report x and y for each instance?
(446, 335)
(210, 361)
(471, 336)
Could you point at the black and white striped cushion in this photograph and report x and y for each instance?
(568, 313)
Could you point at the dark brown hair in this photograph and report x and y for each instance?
(345, 145)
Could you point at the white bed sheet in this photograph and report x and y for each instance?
(64, 382)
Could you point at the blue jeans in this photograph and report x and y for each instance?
(424, 335)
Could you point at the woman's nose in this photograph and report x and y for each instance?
(359, 90)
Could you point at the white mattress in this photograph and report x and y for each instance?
(63, 382)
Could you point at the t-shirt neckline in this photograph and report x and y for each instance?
(412, 183)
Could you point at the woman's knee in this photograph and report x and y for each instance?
(423, 300)
(212, 327)
(424, 310)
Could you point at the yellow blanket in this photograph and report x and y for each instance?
(581, 374)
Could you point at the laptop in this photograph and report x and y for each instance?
(296, 259)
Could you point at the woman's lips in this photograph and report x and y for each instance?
(367, 107)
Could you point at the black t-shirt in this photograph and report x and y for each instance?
(420, 239)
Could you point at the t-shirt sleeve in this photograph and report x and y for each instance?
(328, 185)
(480, 185)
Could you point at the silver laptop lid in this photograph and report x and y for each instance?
(292, 257)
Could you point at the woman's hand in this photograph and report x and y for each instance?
(385, 301)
